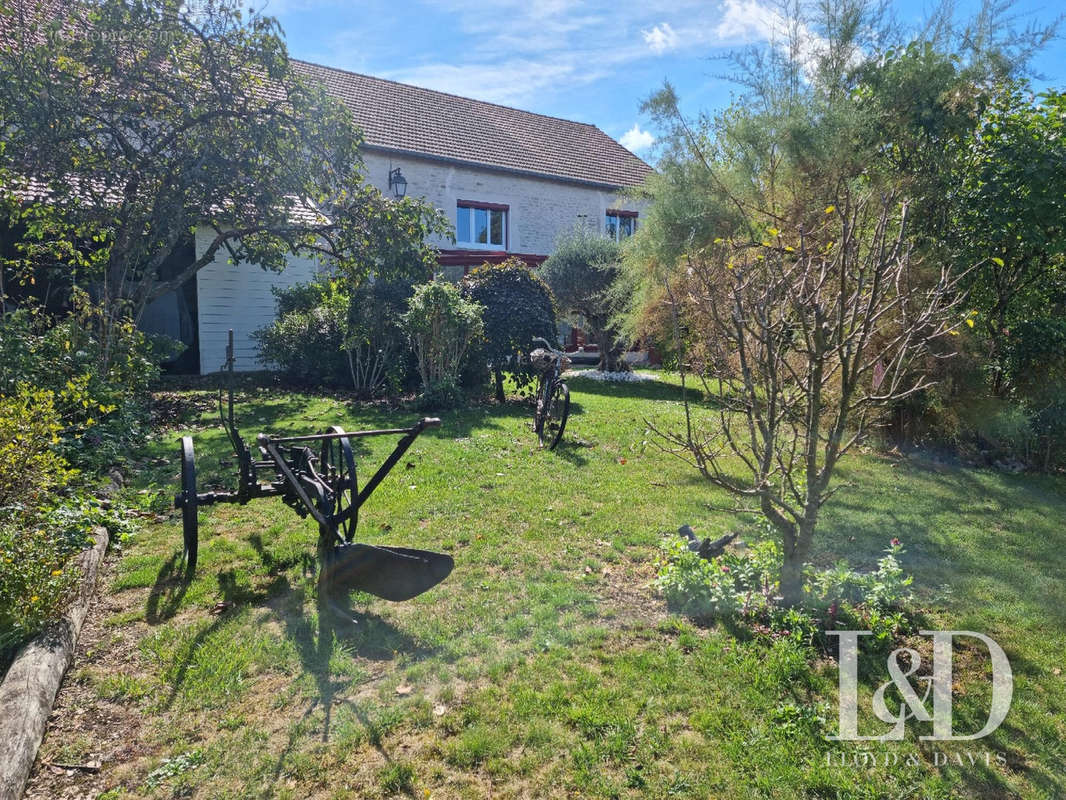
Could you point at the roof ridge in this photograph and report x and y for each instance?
(445, 94)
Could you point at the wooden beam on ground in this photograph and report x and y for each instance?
(30, 686)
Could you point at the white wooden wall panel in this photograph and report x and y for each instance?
(238, 297)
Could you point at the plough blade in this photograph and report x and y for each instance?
(392, 573)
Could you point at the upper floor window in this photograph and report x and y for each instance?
(481, 224)
(620, 224)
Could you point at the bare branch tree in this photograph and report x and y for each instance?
(798, 338)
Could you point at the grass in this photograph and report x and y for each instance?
(546, 664)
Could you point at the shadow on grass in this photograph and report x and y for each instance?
(570, 450)
(1012, 554)
(576, 409)
(364, 635)
(1000, 548)
(231, 594)
(637, 390)
(166, 594)
(367, 637)
(274, 565)
(316, 636)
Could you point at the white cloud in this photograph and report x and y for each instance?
(513, 82)
(749, 21)
(523, 26)
(636, 140)
(521, 53)
(661, 38)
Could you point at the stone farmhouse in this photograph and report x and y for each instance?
(510, 181)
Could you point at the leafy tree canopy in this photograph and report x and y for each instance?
(125, 124)
(1008, 209)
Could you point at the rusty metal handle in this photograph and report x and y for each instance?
(390, 462)
(418, 427)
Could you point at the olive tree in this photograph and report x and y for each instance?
(581, 274)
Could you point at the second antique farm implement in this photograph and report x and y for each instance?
(316, 476)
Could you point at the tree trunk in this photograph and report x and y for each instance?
(795, 557)
(499, 383)
(608, 352)
(792, 581)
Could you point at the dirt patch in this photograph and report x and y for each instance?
(178, 409)
(87, 736)
(628, 591)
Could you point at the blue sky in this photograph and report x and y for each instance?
(587, 61)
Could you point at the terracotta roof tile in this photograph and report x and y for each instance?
(397, 116)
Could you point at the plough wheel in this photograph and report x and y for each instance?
(189, 502)
(338, 468)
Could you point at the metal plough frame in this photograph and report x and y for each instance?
(316, 476)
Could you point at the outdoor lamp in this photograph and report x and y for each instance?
(397, 182)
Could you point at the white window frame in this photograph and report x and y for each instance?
(469, 207)
(619, 215)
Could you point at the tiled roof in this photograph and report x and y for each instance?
(32, 190)
(406, 118)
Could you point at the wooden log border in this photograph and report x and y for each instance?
(30, 686)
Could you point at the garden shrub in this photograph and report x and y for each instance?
(1024, 422)
(720, 587)
(35, 583)
(742, 589)
(29, 467)
(39, 530)
(328, 335)
(305, 343)
(375, 345)
(101, 393)
(37, 546)
(441, 324)
(44, 522)
(885, 589)
(306, 296)
(518, 307)
(1036, 372)
(1005, 431)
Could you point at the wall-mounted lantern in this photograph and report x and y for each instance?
(397, 182)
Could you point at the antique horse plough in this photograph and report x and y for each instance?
(316, 476)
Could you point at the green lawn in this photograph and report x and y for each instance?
(546, 665)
